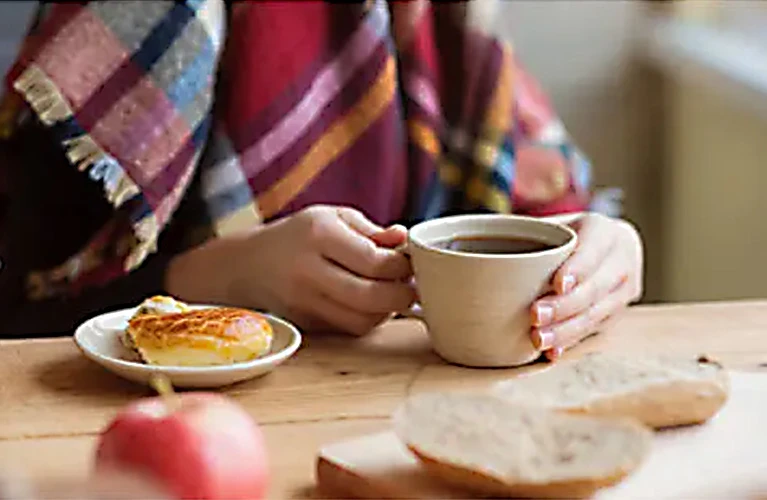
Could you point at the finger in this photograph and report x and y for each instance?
(340, 317)
(557, 308)
(358, 293)
(554, 354)
(571, 331)
(593, 245)
(357, 221)
(391, 237)
(360, 255)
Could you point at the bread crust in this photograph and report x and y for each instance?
(662, 405)
(467, 448)
(489, 486)
(683, 397)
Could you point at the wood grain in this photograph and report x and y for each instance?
(292, 470)
(53, 401)
(724, 455)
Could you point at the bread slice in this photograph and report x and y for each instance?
(657, 391)
(486, 445)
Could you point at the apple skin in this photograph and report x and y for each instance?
(196, 446)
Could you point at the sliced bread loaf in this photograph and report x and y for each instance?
(486, 445)
(657, 391)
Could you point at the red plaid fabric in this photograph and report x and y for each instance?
(401, 109)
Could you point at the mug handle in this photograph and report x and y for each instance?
(414, 311)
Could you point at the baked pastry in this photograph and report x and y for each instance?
(658, 391)
(199, 337)
(489, 446)
(159, 304)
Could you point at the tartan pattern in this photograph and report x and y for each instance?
(395, 108)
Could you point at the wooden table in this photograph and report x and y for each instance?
(53, 402)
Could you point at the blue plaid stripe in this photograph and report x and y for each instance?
(67, 129)
(502, 174)
(149, 52)
(228, 202)
(582, 172)
(221, 163)
(201, 131)
(162, 36)
(499, 181)
(194, 4)
(140, 207)
(130, 21)
(436, 198)
(194, 78)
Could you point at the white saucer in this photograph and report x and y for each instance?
(99, 340)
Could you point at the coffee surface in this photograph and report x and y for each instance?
(494, 244)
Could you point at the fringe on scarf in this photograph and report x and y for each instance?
(50, 106)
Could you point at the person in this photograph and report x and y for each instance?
(270, 155)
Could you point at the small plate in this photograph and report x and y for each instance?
(99, 340)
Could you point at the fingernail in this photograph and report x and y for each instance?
(543, 339)
(554, 354)
(543, 314)
(568, 283)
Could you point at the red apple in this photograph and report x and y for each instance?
(197, 446)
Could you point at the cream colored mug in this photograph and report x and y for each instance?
(477, 305)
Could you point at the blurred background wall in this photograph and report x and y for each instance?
(669, 99)
(713, 55)
(586, 54)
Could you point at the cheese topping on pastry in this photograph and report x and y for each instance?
(200, 337)
(160, 304)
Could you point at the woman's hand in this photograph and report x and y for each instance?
(603, 275)
(324, 268)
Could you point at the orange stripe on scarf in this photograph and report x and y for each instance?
(496, 125)
(333, 143)
(424, 137)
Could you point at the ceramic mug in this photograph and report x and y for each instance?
(477, 305)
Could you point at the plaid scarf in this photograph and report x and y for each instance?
(398, 108)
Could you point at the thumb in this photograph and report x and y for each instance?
(391, 237)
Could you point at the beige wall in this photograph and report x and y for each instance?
(691, 158)
(583, 53)
(714, 175)
(716, 233)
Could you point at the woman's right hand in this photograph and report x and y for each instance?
(324, 267)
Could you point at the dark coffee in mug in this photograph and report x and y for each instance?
(494, 244)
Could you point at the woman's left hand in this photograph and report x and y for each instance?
(602, 276)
